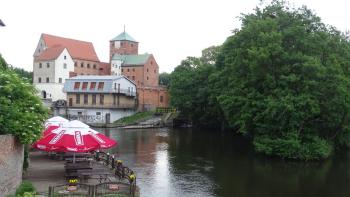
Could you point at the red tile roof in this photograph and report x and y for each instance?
(77, 49)
(50, 53)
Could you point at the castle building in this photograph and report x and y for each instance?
(140, 68)
(57, 59)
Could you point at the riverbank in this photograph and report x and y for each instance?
(140, 120)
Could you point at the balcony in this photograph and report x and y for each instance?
(124, 91)
(104, 106)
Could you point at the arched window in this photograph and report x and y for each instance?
(43, 94)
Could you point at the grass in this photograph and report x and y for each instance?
(133, 119)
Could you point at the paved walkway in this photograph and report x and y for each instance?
(43, 171)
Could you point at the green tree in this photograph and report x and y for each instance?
(21, 111)
(191, 93)
(26, 75)
(164, 79)
(287, 82)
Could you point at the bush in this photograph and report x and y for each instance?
(25, 189)
(21, 111)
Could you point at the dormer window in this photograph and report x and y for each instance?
(100, 85)
(85, 84)
(76, 85)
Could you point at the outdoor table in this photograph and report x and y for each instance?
(73, 167)
(94, 173)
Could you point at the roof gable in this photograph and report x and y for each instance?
(132, 59)
(124, 36)
(50, 53)
(77, 48)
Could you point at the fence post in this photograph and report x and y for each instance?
(51, 192)
(113, 162)
(107, 159)
(91, 191)
(97, 155)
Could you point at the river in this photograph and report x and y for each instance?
(189, 163)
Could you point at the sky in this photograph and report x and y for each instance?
(169, 29)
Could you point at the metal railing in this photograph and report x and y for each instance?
(126, 186)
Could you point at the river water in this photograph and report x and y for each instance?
(189, 163)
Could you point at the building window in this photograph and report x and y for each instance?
(88, 65)
(122, 70)
(147, 78)
(65, 66)
(77, 99)
(65, 57)
(151, 62)
(133, 78)
(98, 113)
(155, 71)
(82, 65)
(94, 66)
(102, 99)
(94, 99)
(147, 69)
(86, 98)
(161, 99)
(47, 80)
(80, 113)
(92, 85)
(131, 44)
(39, 79)
(76, 85)
(121, 44)
(59, 80)
(40, 65)
(128, 70)
(84, 87)
(100, 85)
(114, 99)
(48, 65)
(75, 64)
(133, 69)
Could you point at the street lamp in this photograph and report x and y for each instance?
(2, 23)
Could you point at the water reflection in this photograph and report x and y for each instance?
(196, 163)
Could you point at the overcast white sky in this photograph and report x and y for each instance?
(169, 29)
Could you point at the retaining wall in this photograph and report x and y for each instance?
(11, 164)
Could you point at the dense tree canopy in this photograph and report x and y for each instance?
(26, 75)
(21, 111)
(164, 79)
(282, 79)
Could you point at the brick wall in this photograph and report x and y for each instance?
(126, 48)
(11, 164)
(151, 97)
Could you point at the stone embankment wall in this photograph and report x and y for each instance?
(11, 164)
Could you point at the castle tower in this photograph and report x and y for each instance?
(123, 44)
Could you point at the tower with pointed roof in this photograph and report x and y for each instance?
(123, 44)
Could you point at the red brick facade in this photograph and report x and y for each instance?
(144, 75)
(84, 67)
(152, 97)
(125, 48)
